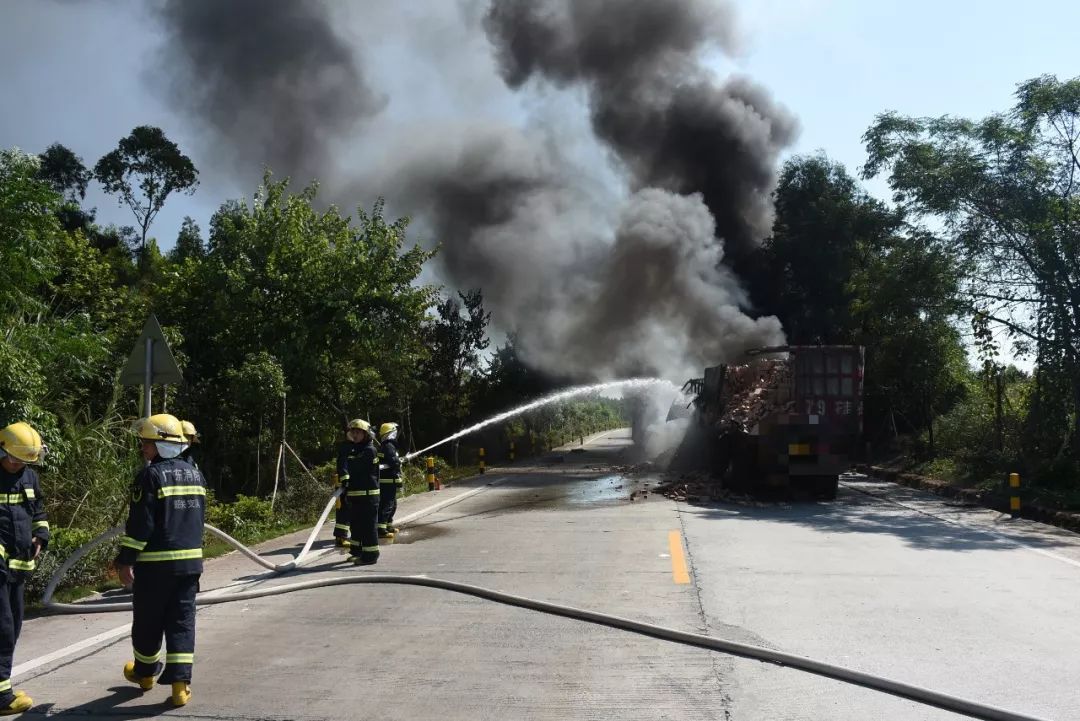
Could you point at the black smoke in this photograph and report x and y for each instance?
(598, 234)
(270, 82)
(671, 123)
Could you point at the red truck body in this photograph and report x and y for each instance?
(807, 435)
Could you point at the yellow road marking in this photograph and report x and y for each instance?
(678, 558)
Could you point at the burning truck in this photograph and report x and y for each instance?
(787, 420)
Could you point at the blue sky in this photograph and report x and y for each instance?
(837, 63)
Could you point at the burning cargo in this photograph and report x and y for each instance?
(787, 419)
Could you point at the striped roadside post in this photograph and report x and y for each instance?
(482, 468)
(1014, 494)
(431, 473)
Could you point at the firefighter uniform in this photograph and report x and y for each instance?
(389, 478)
(163, 541)
(358, 468)
(22, 522)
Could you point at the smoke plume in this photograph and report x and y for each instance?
(602, 235)
(271, 83)
(652, 102)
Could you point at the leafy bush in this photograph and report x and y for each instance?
(247, 517)
(306, 496)
(91, 570)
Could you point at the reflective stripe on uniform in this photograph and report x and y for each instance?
(179, 658)
(362, 547)
(129, 542)
(5, 685)
(382, 526)
(147, 659)
(341, 526)
(364, 493)
(40, 524)
(181, 555)
(3, 553)
(343, 477)
(181, 491)
(17, 565)
(13, 499)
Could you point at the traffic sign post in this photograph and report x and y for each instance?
(150, 362)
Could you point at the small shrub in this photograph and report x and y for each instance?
(306, 496)
(245, 518)
(90, 571)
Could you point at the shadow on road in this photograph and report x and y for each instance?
(855, 512)
(109, 706)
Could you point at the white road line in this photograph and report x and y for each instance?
(996, 534)
(449, 502)
(74, 648)
(28, 666)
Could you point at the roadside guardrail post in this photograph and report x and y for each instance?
(1014, 494)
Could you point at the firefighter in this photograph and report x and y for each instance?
(389, 479)
(161, 558)
(191, 438)
(358, 469)
(24, 533)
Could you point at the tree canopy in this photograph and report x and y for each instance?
(143, 171)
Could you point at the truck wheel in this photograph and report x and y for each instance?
(826, 487)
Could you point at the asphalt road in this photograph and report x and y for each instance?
(884, 580)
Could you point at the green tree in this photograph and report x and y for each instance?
(144, 170)
(332, 302)
(1005, 190)
(842, 268)
(28, 232)
(905, 310)
(823, 222)
(509, 379)
(64, 171)
(456, 338)
(189, 242)
(60, 308)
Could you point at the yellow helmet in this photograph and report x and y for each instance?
(190, 434)
(162, 427)
(358, 424)
(386, 429)
(22, 443)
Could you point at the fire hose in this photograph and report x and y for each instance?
(907, 691)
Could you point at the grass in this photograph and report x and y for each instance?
(214, 547)
(983, 476)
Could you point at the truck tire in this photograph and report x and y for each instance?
(826, 487)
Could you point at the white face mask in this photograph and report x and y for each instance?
(169, 449)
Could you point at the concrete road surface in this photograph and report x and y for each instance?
(884, 580)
